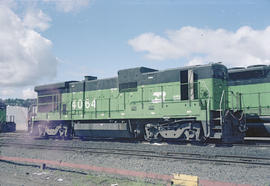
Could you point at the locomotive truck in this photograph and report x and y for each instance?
(186, 104)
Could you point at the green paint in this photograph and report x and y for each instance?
(148, 101)
(2, 115)
(252, 98)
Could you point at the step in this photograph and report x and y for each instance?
(217, 135)
(218, 127)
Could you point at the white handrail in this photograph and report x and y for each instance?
(208, 103)
(220, 105)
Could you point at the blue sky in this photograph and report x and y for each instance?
(99, 37)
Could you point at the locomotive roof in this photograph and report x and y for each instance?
(140, 69)
(150, 70)
(250, 75)
(53, 86)
(249, 68)
(192, 67)
(132, 75)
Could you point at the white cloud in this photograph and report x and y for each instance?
(8, 3)
(25, 55)
(7, 92)
(36, 19)
(245, 46)
(29, 93)
(69, 5)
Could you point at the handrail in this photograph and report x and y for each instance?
(243, 95)
(207, 108)
(220, 105)
(208, 101)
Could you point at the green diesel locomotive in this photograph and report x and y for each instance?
(189, 103)
(5, 126)
(2, 115)
(249, 91)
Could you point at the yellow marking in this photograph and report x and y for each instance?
(185, 180)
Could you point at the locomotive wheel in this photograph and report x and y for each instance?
(155, 139)
(195, 133)
(151, 133)
(45, 136)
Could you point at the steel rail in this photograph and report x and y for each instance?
(253, 145)
(247, 143)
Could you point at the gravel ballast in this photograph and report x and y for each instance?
(242, 174)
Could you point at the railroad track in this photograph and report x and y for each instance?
(224, 159)
(249, 142)
(253, 144)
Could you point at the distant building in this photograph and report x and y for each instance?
(19, 115)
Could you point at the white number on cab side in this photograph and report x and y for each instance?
(74, 104)
(80, 104)
(87, 104)
(93, 103)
